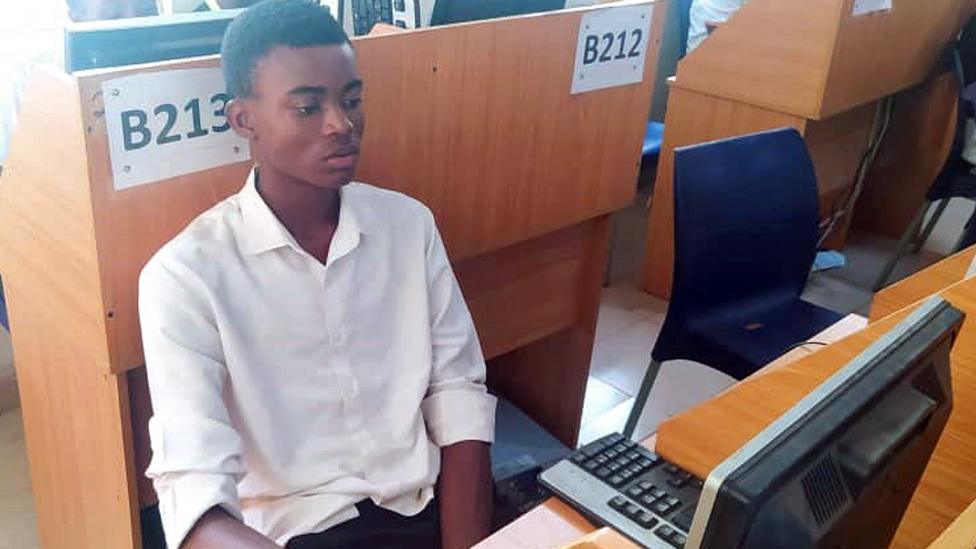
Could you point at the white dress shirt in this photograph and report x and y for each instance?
(285, 390)
(708, 11)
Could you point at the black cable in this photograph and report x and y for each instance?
(802, 343)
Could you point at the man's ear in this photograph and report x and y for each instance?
(240, 119)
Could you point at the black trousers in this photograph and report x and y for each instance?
(377, 528)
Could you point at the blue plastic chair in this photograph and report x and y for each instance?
(745, 236)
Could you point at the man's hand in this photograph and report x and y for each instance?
(218, 530)
(465, 494)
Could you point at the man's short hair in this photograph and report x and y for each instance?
(267, 25)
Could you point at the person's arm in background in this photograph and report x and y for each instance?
(196, 459)
(459, 412)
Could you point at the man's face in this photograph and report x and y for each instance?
(304, 116)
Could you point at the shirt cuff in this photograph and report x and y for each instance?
(187, 497)
(460, 414)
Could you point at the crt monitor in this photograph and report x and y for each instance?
(447, 12)
(839, 468)
(118, 42)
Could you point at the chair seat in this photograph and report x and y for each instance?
(740, 341)
(652, 140)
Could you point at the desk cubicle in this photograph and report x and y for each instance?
(475, 120)
(810, 64)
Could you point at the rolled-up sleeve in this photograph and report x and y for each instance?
(457, 406)
(196, 461)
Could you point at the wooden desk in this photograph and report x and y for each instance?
(527, 236)
(813, 66)
(961, 534)
(922, 284)
(948, 485)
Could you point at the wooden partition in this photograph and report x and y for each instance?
(807, 64)
(475, 120)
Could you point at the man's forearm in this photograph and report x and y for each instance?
(465, 493)
(218, 530)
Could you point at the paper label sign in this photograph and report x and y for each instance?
(611, 48)
(166, 124)
(862, 7)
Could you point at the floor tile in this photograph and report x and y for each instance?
(18, 522)
(600, 398)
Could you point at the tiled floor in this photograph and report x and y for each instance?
(628, 325)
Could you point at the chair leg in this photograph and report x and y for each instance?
(641, 399)
(902, 246)
(927, 231)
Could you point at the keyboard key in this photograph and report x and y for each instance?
(658, 493)
(578, 457)
(615, 480)
(613, 467)
(603, 473)
(661, 508)
(621, 447)
(632, 455)
(647, 454)
(591, 450)
(601, 459)
(634, 491)
(678, 539)
(625, 473)
(664, 532)
(647, 500)
(697, 483)
(634, 468)
(645, 485)
(671, 469)
(684, 519)
(631, 510)
(645, 519)
(677, 482)
(610, 453)
(612, 438)
(671, 500)
(617, 502)
(645, 463)
(591, 465)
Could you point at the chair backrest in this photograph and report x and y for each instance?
(745, 221)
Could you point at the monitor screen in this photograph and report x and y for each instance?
(839, 468)
(118, 42)
(458, 11)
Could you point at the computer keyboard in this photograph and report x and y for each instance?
(621, 484)
(366, 13)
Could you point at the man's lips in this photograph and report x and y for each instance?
(343, 160)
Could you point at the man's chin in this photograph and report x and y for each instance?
(331, 180)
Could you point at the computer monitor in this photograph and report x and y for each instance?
(118, 42)
(447, 12)
(839, 468)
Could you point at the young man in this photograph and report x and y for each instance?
(314, 370)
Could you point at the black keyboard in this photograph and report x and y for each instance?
(623, 485)
(366, 13)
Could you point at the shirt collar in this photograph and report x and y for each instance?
(263, 231)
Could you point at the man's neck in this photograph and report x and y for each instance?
(310, 213)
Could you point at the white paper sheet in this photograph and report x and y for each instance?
(168, 123)
(611, 48)
(863, 7)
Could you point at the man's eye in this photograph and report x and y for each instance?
(306, 110)
(353, 103)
